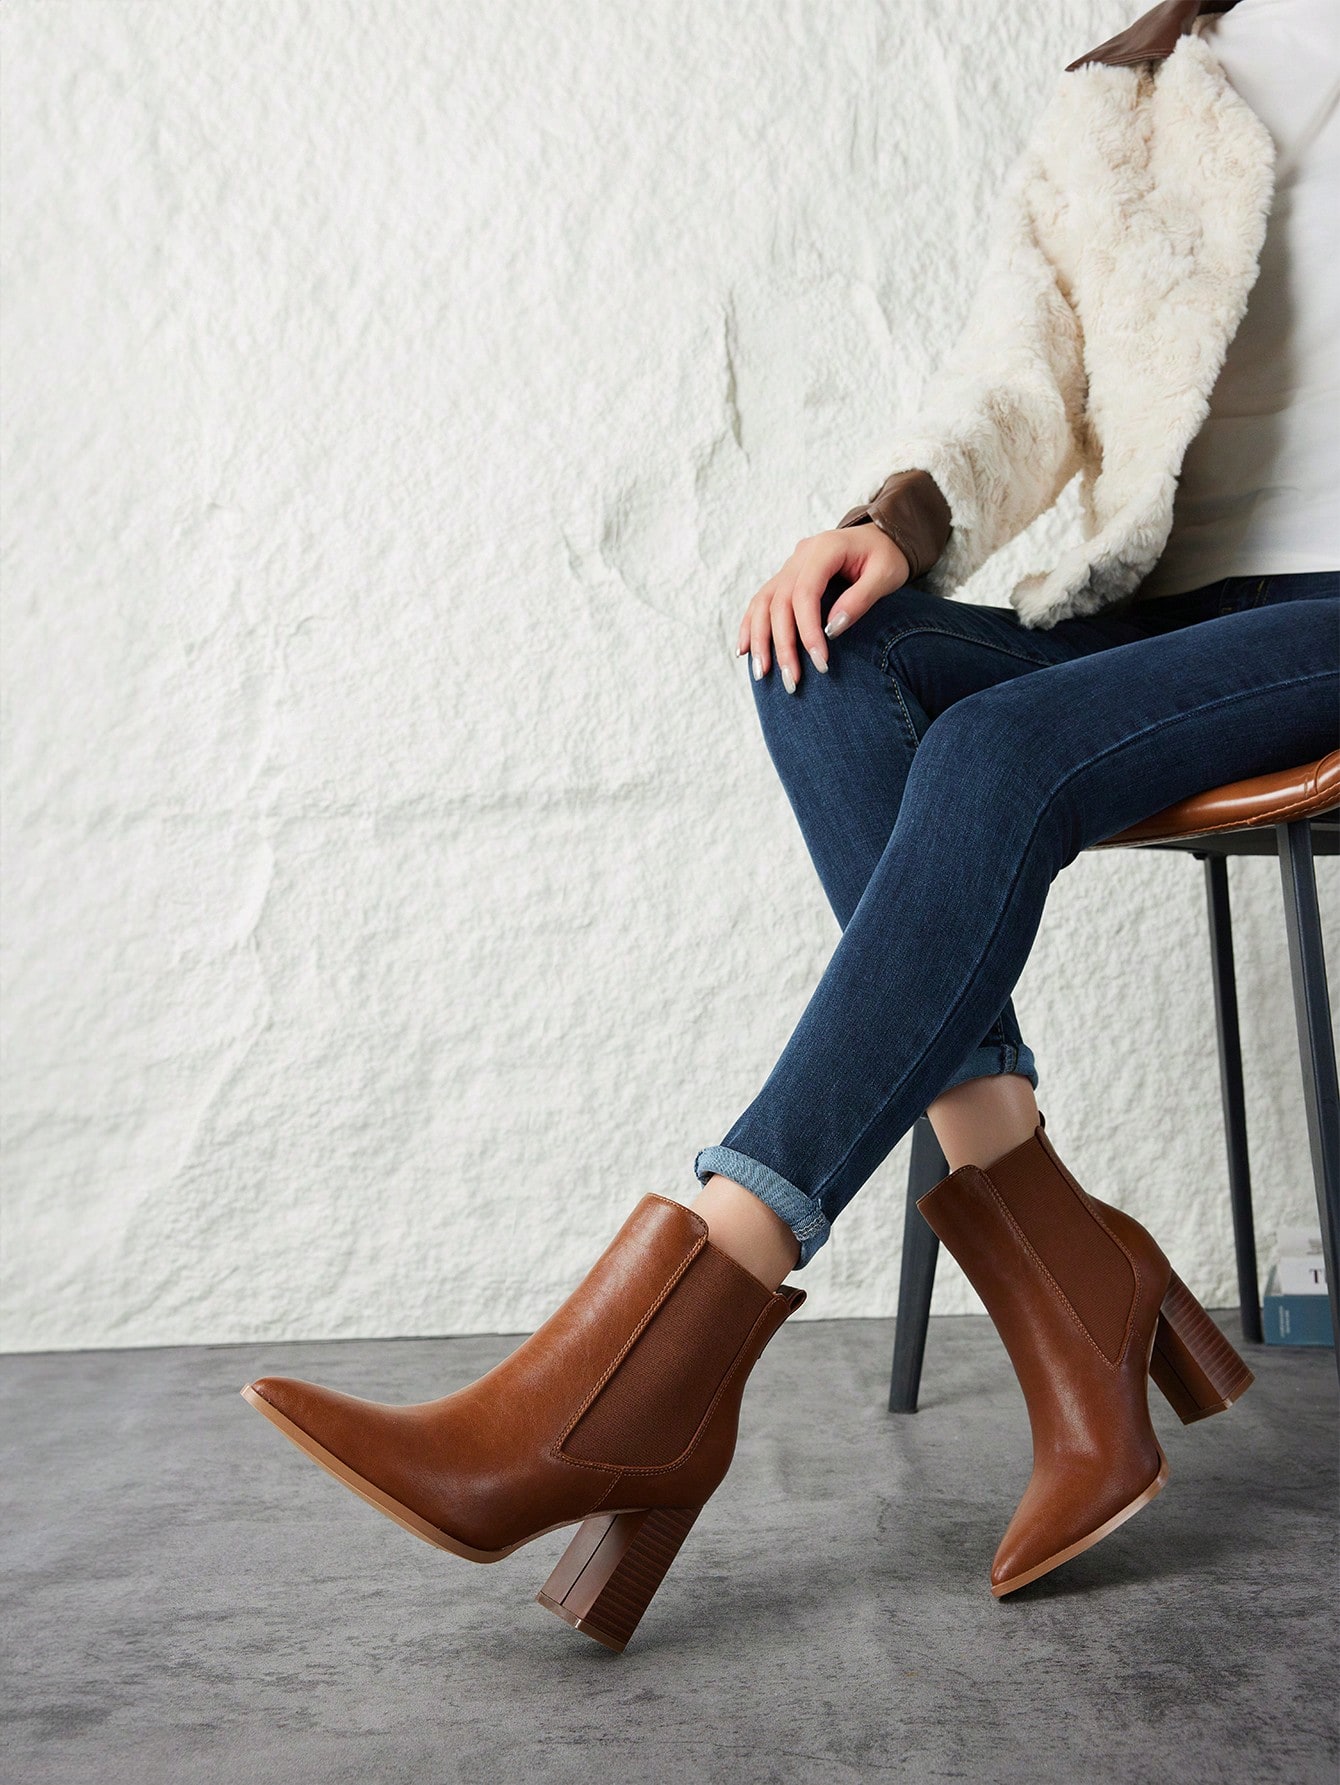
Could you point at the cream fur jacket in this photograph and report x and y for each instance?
(1122, 252)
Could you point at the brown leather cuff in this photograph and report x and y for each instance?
(911, 509)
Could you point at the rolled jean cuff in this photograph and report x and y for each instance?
(995, 1057)
(803, 1216)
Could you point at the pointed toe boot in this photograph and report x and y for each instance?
(1089, 1309)
(619, 1414)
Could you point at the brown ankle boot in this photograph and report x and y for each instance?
(620, 1411)
(1089, 1309)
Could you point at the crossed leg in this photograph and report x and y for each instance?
(950, 764)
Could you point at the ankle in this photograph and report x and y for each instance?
(981, 1119)
(742, 1226)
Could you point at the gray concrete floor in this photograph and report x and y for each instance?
(191, 1600)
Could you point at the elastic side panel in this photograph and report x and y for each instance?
(1093, 1272)
(650, 1408)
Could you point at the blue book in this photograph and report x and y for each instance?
(1295, 1319)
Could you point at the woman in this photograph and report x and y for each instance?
(945, 761)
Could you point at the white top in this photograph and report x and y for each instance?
(1259, 490)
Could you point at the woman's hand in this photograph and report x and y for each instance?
(788, 603)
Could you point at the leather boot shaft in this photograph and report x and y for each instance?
(1026, 1224)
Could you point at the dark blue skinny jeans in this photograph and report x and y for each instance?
(943, 772)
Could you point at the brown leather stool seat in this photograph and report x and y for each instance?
(1295, 814)
(1274, 799)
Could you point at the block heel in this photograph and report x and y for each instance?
(1192, 1362)
(606, 1577)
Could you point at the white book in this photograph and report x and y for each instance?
(1302, 1276)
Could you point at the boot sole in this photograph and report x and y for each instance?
(375, 1496)
(1104, 1530)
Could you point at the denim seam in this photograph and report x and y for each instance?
(896, 685)
(962, 638)
(1122, 744)
(919, 629)
(893, 682)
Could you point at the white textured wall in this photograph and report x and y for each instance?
(401, 403)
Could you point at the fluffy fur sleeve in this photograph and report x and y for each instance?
(1001, 421)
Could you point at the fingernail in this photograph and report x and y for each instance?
(788, 682)
(836, 621)
(758, 667)
(818, 663)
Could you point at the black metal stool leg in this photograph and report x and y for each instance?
(1316, 1041)
(917, 1279)
(1231, 1093)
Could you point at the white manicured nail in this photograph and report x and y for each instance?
(758, 667)
(836, 621)
(818, 663)
(788, 681)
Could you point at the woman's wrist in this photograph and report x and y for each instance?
(910, 508)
